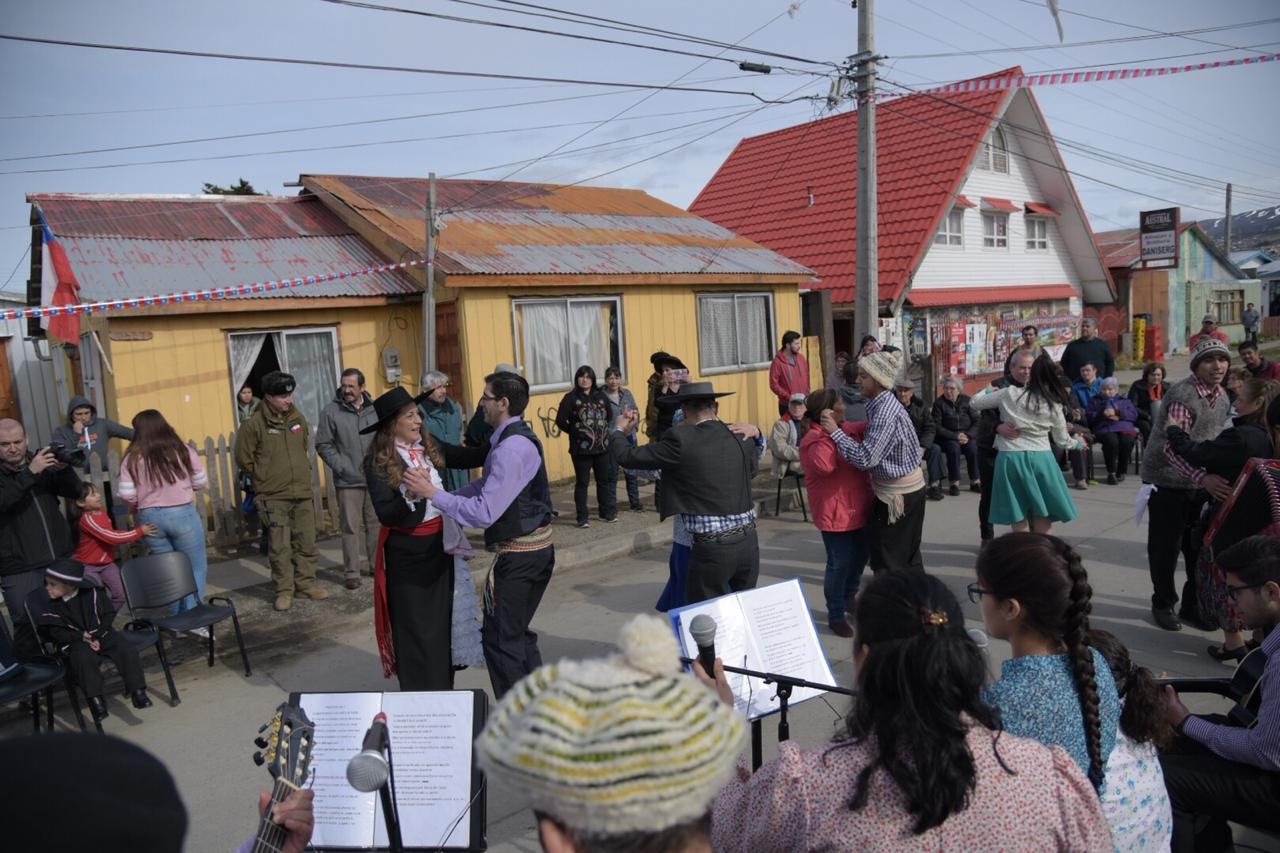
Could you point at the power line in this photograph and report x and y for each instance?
(377, 7)
(323, 63)
(1130, 26)
(1090, 43)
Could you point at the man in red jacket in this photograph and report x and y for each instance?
(789, 373)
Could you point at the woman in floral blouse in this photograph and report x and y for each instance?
(923, 764)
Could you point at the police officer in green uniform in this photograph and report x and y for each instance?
(271, 448)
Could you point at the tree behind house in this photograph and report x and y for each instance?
(242, 188)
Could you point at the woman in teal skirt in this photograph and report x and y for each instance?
(1028, 490)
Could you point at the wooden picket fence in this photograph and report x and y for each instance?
(226, 525)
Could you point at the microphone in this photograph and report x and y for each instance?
(368, 769)
(703, 629)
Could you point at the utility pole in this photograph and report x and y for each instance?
(1227, 235)
(867, 305)
(429, 289)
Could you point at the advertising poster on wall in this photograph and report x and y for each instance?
(975, 348)
(956, 364)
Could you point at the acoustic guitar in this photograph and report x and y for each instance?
(287, 747)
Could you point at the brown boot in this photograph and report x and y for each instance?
(284, 601)
(315, 591)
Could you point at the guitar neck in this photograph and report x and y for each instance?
(271, 836)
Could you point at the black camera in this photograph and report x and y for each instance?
(72, 456)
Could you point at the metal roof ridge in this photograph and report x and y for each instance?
(189, 197)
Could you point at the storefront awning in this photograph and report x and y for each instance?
(1001, 204)
(1040, 209)
(939, 296)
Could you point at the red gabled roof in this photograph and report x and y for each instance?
(794, 190)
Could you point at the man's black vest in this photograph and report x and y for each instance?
(532, 507)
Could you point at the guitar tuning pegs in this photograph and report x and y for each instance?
(260, 742)
(263, 727)
(258, 759)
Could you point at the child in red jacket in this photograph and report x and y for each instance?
(96, 540)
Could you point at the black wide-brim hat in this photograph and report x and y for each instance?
(661, 357)
(690, 391)
(388, 406)
(69, 571)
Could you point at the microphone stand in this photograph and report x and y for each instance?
(390, 815)
(785, 684)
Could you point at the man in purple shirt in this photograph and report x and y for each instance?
(1228, 773)
(511, 501)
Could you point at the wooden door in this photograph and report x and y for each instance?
(8, 388)
(1150, 295)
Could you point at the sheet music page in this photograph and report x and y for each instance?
(344, 816)
(785, 636)
(431, 757)
(733, 643)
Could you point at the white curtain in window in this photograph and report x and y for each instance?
(544, 342)
(754, 345)
(244, 352)
(589, 336)
(309, 357)
(717, 346)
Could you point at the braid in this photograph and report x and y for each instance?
(1076, 628)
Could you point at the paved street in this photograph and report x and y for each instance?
(206, 741)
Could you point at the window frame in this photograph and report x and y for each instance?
(1227, 310)
(994, 147)
(1034, 223)
(946, 233)
(518, 348)
(771, 322)
(994, 238)
(280, 336)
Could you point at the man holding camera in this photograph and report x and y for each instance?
(33, 530)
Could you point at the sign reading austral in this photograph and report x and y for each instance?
(1158, 236)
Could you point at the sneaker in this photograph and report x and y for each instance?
(613, 520)
(582, 525)
(955, 490)
(283, 602)
(352, 583)
(637, 508)
(1092, 482)
(200, 633)
(1081, 485)
(140, 699)
(315, 592)
(1112, 481)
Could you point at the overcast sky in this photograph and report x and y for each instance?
(1208, 127)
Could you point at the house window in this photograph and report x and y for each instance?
(995, 152)
(309, 354)
(735, 330)
(1227, 305)
(554, 337)
(995, 230)
(1037, 233)
(951, 231)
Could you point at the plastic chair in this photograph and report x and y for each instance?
(68, 679)
(158, 580)
(28, 680)
(777, 500)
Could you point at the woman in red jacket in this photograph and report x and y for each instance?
(840, 497)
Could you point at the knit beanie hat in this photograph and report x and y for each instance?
(881, 366)
(1206, 347)
(614, 745)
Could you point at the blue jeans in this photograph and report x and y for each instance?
(179, 529)
(847, 553)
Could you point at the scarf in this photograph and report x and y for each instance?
(890, 492)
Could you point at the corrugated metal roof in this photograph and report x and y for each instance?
(508, 228)
(141, 246)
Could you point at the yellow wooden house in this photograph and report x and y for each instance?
(543, 277)
(549, 278)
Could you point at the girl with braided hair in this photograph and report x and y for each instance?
(1056, 688)
(922, 763)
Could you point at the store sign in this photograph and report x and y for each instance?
(1158, 236)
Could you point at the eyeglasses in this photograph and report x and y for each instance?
(1233, 590)
(485, 398)
(976, 592)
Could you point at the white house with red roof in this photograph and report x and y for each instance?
(980, 228)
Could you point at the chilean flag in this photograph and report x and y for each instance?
(58, 287)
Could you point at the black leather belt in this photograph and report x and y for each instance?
(722, 535)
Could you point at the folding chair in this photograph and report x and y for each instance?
(777, 500)
(68, 679)
(28, 679)
(158, 580)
